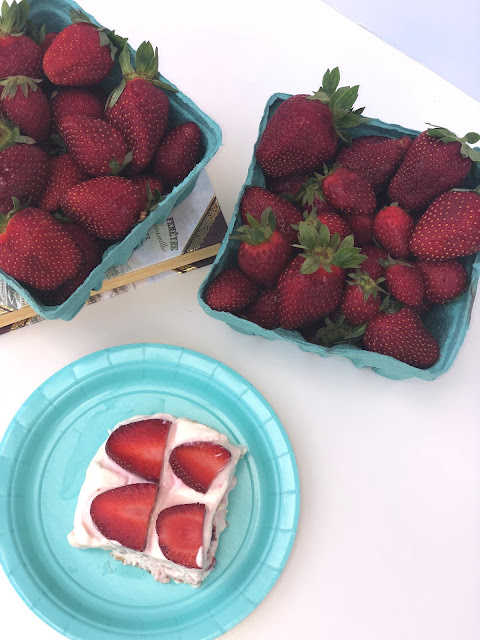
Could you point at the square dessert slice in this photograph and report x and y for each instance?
(156, 496)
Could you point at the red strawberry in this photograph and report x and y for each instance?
(92, 253)
(402, 335)
(312, 284)
(392, 228)
(97, 146)
(348, 192)
(372, 264)
(19, 55)
(287, 186)
(375, 158)
(178, 152)
(76, 102)
(304, 130)
(264, 311)
(197, 464)
(36, 250)
(405, 282)
(123, 514)
(362, 228)
(108, 207)
(180, 533)
(139, 447)
(255, 200)
(47, 41)
(81, 54)
(450, 227)
(25, 104)
(436, 161)
(443, 280)
(64, 174)
(138, 108)
(231, 291)
(264, 251)
(23, 168)
(361, 300)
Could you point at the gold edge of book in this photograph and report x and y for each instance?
(127, 278)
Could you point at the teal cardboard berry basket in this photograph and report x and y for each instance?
(448, 322)
(55, 15)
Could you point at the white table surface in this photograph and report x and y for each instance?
(388, 545)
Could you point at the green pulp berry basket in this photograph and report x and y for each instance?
(448, 322)
(55, 15)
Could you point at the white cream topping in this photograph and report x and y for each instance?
(104, 474)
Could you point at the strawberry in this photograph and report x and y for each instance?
(19, 55)
(372, 264)
(138, 107)
(304, 131)
(81, 54)
(197, 464)
(150, 185)
(312, 284)
(255, 200)
(450, 227)
(123, 514)
(443, 280)
(392, 228)
(436, 161)
(362, 228)
(401, 334)
(178, 152)
(36, 250)
(25, 104)
(108, 207)
(64, 174)
(75, 102)
(92, 253)
(139, 446)
(264, 251)
(405, 282)
(333, 331)
(47, 41)
(23, 167)
(288, 185)
(231, 291)
(348, 192)
(180, 533)
(361, 300)
(375, 158)
(264, 311)
(95, 144)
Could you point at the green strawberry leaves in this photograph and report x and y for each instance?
(14, 17)
(338, 331)
(446, 136)
(323, 250)
(369, 286)
(11, 84)
(341, 101)
(311, 188)
(256, 232)
(10, 134)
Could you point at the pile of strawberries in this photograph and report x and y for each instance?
(64, 142)
(352, 240)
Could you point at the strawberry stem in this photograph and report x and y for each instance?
(10, 134)
(13, 18)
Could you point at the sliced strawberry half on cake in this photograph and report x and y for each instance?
(180, 533)
(139, 447)
(197, 464)
(123, 513)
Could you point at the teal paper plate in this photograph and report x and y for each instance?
(86, 594)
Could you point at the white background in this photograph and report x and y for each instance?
(388, 545)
